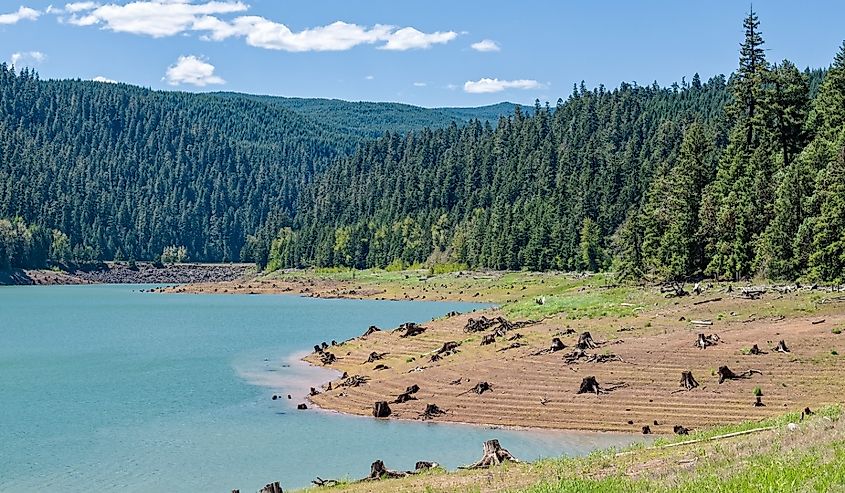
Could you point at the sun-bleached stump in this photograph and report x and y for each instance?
(381, 409)
(493, 455)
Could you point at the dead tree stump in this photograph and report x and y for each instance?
(585, 341)
(589, 385)
(688, 381)
(371, 330)
(493, 455)
(488, 339)
(374, 356)
(424, 465)
(704, 342)
(759, 402)
(378, 471)
(755, 350)
(327, 358)
(431, 412)
(271, 488)
(480, 388)
(301, 407)
(680, 430)
(781, 347)
(411, 329)
(646, 430)
(725, 373)
(381, 409)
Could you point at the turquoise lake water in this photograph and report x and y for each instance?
(105, 388)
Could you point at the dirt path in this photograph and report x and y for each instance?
(539, 391)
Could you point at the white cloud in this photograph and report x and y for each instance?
(370, 77)
(156, 18)
(486, 85)
(22, 14)
(485, 45)
(409, 38)
(420, 84)
(161, 18)
(33, 57)
(192, 70)
(100, 78)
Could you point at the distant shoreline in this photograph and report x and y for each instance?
(121, 273)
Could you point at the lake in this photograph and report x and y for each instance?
(106, 388)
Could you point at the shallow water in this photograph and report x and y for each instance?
(105, 388)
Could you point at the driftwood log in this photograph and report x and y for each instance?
(493, 455)
(381, 409)
(725, 373)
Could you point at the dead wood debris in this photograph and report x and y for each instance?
(725, 373)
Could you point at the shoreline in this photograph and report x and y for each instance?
(122, 273)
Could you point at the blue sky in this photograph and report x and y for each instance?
(432, 53)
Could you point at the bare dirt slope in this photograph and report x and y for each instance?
(540, 391)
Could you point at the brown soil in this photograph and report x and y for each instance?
(540, 391)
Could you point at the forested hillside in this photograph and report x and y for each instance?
(371, 119)
(126, 172)
(724, 178)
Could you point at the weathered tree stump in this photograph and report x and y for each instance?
(327, 358)
(574, 355)
(354, 381)
(681, 430)
(374, 356)
(725, 373)
(646, 430)
(373, 329)
(411, 329)
(493, 455)
(324, 345)
(317, 348)
(759, 401)
(781, 347)
(313, 392)
(431, 412)
(704, 342)
(448, 348)
(301, 407)
(585, 341)
(424, 465)
(688, 381)
(480, 388)
(557, 344)
(589, 385)
(673, 289)
(755, 350)
(378, 471)
(488, 339)
(381, 409)
(408, 395)
(271, 488)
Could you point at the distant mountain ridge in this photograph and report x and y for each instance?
(372, 119)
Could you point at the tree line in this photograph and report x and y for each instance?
(728, 178)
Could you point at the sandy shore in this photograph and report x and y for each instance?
(540, 391)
